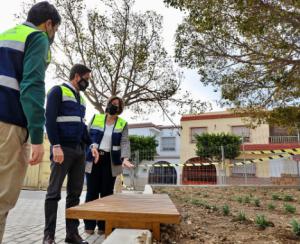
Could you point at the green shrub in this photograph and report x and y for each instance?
(261, 221)
(247, 199)
(275, 197)
(289, 208)
(239, 199)
(288, 198)
(271, 206)
(295, 227)
(225, 210)
(196, 202)
(241, 216)
(257, 202)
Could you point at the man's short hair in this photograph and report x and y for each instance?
(41, 12)
(79, 69)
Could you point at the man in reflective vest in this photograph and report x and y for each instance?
(24, 57)
(68, 136)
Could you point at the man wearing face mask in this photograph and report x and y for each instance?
(24, 57)
(68, 136)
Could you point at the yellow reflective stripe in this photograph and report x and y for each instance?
(18, 33)
(82, 101)
(120, 125)
(66, 92)
(99, 120)
(48, 57)
(9, 82)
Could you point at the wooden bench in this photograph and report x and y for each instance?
(136, 211)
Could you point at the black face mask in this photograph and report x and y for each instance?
(51, 39)
(112, 109)
(83, 84)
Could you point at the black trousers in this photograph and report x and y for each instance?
(73, 166)
(100, 182)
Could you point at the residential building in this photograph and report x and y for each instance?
(262, 137)
(168, 149)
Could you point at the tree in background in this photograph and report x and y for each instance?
(143, 147)
(125, 51)
(248, 49)
(209, 146)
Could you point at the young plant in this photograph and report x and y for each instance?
(196, 202)
(239, 199)
(289, 208)
(271, 206)
(241, 216)
(214, 208)
(225, 210)
(261, 221)
(275, 197)
(257, 202)
(246, 199)
(288, 198)
(295, 227)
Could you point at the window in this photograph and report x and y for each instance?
(243, 170)
(241, 131)
(197, 131)
(168, 143)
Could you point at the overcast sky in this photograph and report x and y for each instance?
(171, 19)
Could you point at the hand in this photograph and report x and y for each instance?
(95, 154)
(37, 154)
(58, 154)
(126, 164)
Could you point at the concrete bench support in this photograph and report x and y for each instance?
(129, 236)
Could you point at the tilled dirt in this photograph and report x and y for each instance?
(203, 219)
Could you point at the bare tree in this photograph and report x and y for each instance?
(125, 51)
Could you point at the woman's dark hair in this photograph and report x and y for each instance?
(121, 103)
(79, 69)
(41, 12)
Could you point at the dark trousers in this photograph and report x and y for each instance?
(100, 182)
(73, 166)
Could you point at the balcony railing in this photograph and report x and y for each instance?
(283, 139)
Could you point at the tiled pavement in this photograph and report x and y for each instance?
(25, 223)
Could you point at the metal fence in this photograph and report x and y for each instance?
(264, 171)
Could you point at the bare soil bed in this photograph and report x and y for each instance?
(232, 215)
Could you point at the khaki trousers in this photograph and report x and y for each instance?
(14, 158)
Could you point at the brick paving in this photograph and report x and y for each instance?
(25, 223)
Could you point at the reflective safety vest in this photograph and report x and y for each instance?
(97, 131)
(12, 49)
(70, 119)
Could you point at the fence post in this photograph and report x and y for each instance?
(223, 177)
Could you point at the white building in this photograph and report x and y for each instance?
(168, 152)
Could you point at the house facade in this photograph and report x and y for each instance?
(167, 152)
(262, 138)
